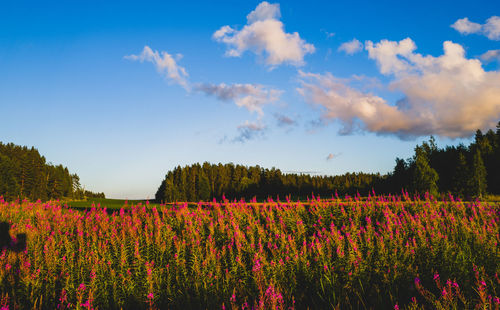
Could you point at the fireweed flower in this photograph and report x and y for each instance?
(267, 243)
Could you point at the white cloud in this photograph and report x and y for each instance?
(264, 33)
(264, 11)
(491, 28)
(251, 96)
(351, 47)
(390, 55)
(449, 95)
(464, 26)
(249, 131)
(348, 105)
(491, 55)
(165, 64)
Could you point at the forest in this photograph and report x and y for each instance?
(25, 174)
(464, 171)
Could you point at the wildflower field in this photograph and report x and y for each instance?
(380, 252)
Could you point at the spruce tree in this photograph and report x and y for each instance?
(424, 178)
(478, 176)
(461, 177)
(203, 189)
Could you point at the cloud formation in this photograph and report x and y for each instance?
(449, 95)
(249, 130)
(351, 47)
(332, 156)
(284, 121)
(264, 33)
(165, 64)
(490, 29)
(465, 26)
(348, 105)
(250, 96)
(491, 56)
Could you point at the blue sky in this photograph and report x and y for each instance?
(122, 92)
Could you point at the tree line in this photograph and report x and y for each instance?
(203, 182)
(465, 171)
(25, 174)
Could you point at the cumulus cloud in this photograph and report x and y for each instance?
(465, 26)
(264, 11)
(491, 55)
(348, 105)
(165, 64)
(250, 96)
(249, 130)
(391, 56)
(351, 47)
(264, 33)
(490, 29)
(449, 95)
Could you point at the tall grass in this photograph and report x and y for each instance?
(382, 252)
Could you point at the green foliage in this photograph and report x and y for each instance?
(464, 171)
(425, 178)
(24, 173)
(203, 187)
(461, 177)
(203, 182)
(478, 176)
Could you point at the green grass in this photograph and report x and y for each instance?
(110, 204)
(492, 198)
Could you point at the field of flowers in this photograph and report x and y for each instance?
(380, 252)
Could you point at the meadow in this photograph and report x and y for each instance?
(380, 252)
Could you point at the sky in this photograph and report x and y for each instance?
(121, 92)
